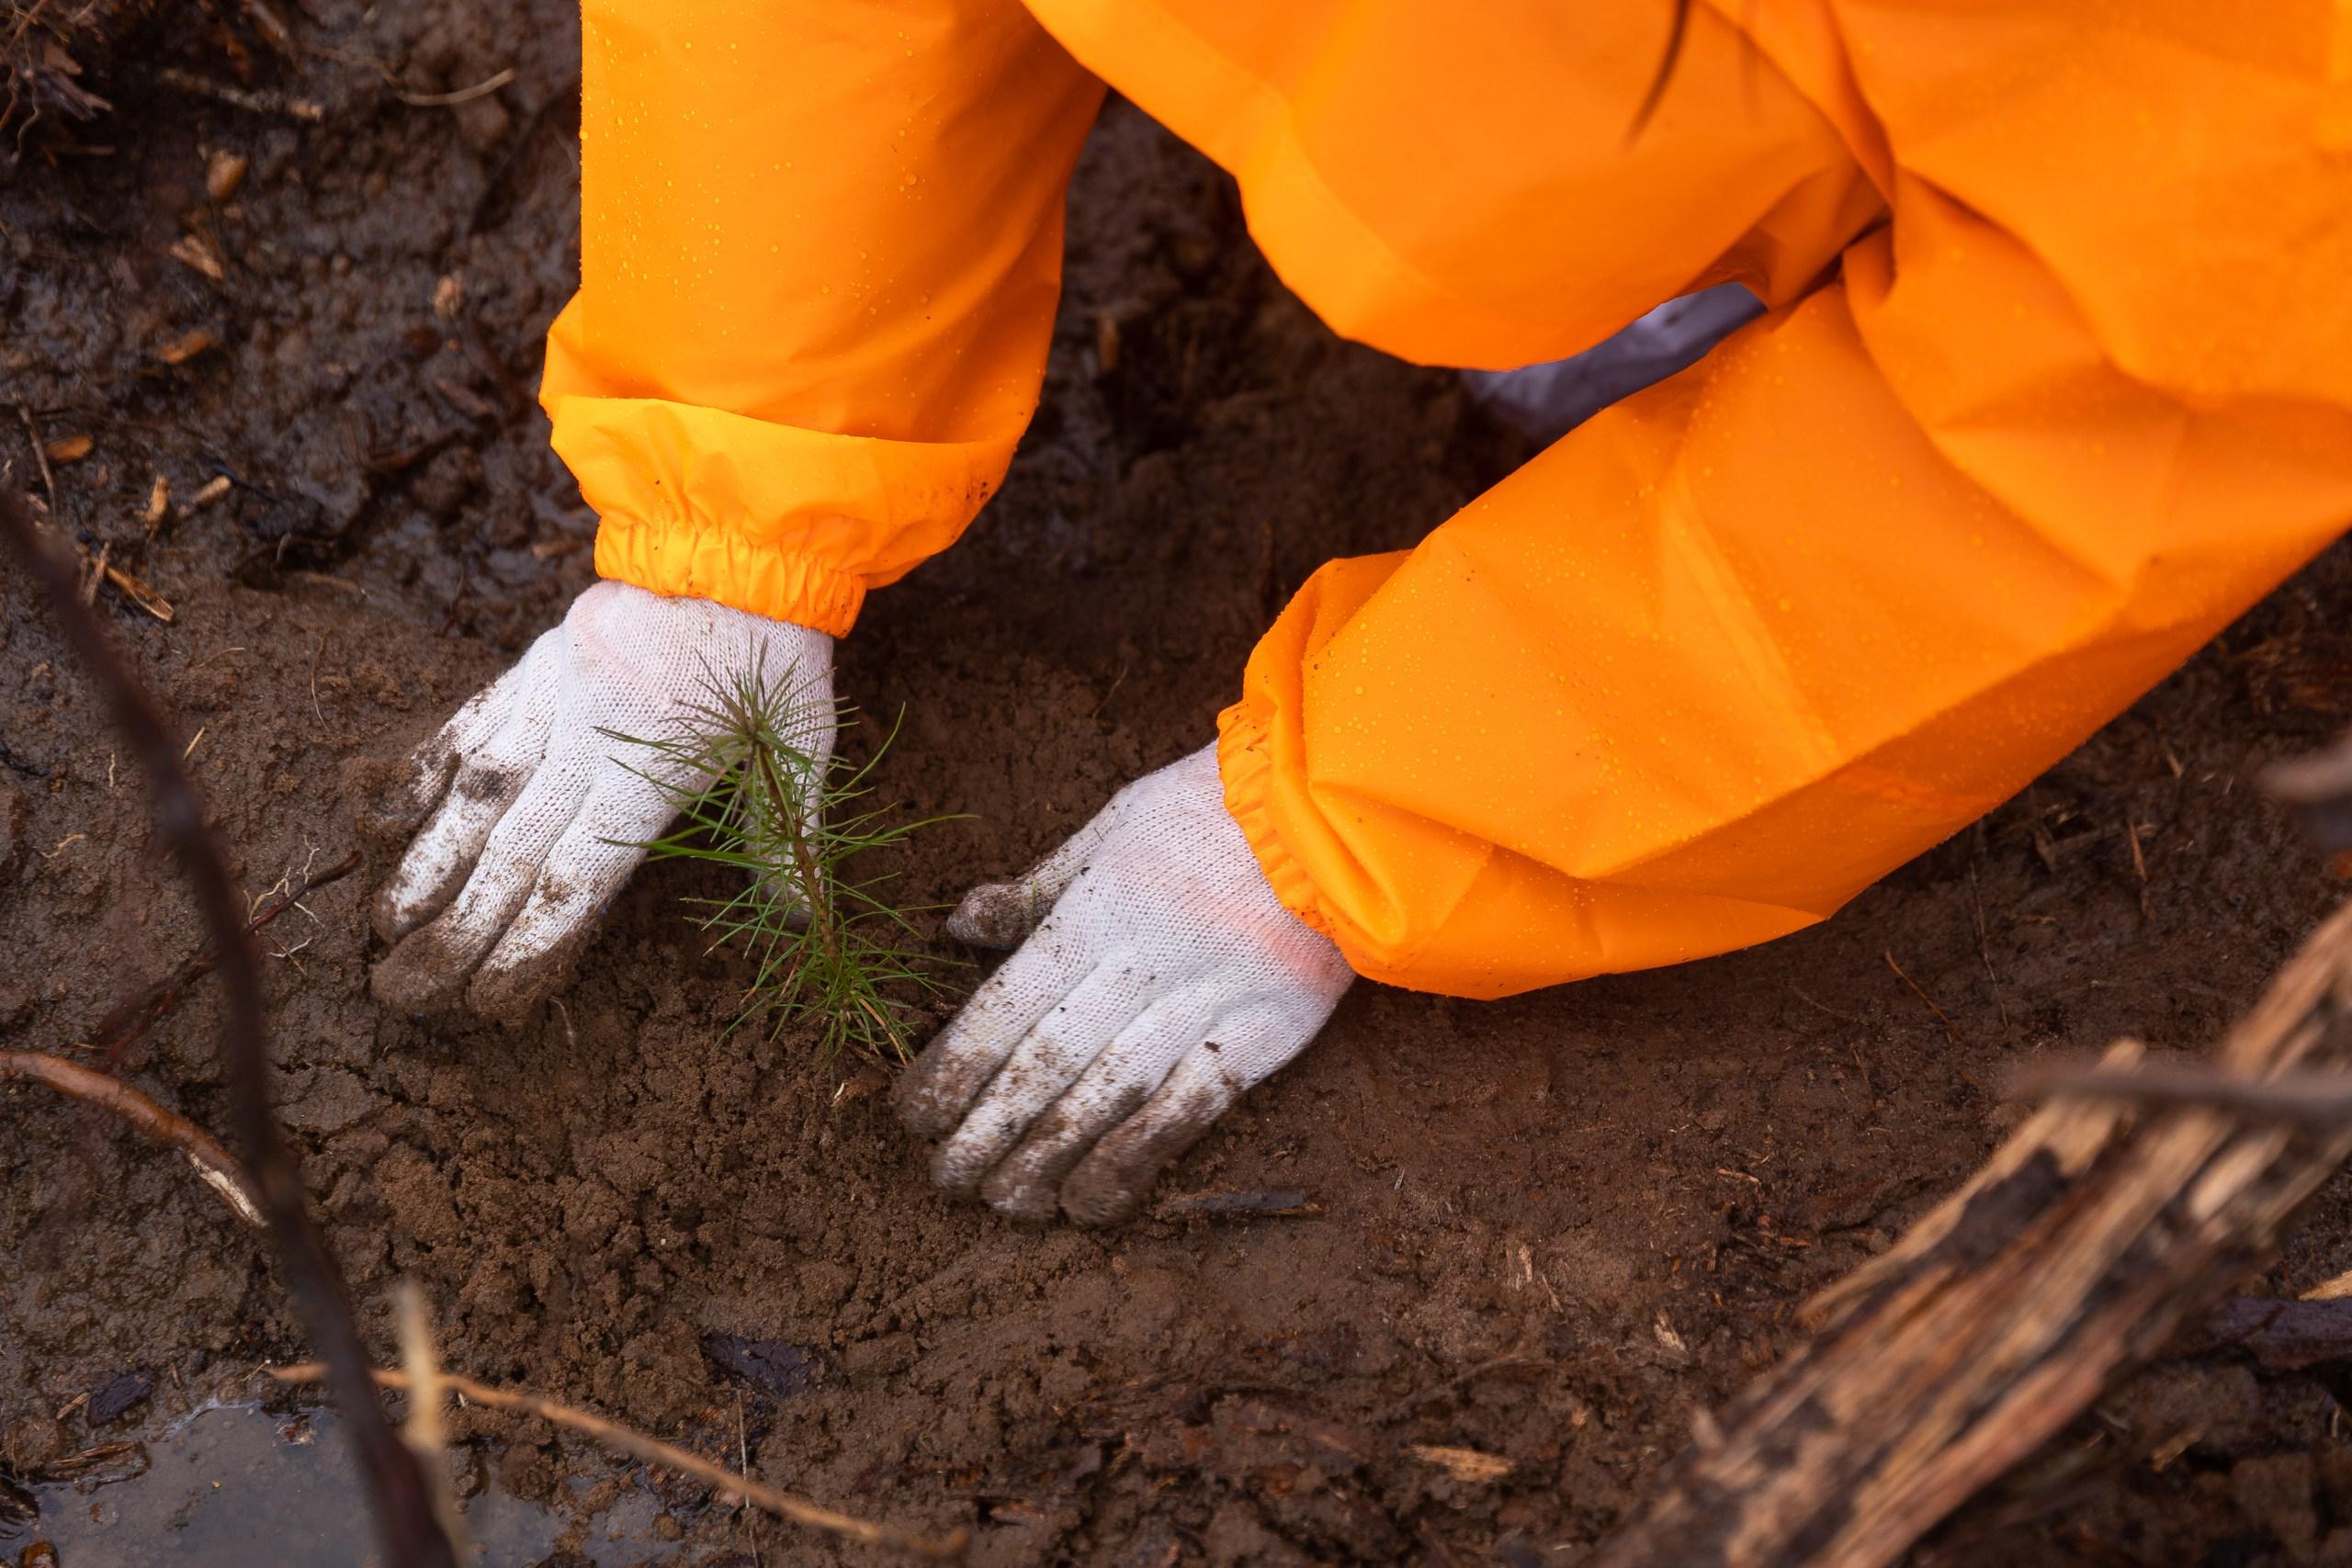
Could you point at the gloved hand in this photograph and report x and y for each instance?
(1163, 980)
(540, 810)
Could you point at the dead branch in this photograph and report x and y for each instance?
(652, 1451)
(2080, 1250)
(412, 1537)
(217, 1166)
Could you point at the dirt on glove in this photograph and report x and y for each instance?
(1450, 1290)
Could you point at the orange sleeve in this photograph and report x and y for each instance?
(821, 245)
(1730, 651)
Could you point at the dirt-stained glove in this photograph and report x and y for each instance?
(540, 807)
(1161, 980)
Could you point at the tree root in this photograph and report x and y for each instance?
(217, 1166)
(122, 1027)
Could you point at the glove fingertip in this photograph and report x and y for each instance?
(395, 793)
(1026, 1184)
(539, 952)
(995, 914)
(508, 997)
(954, 1175)
(931, 1096)
(407, 900)
(386, 914)
(1111, 1184)
(1028, 1202)
(1101, 1199)
(923, 1109)
(420, 975)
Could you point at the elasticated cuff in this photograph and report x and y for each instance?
(720, 564)
(1245, 764)
(771, 519)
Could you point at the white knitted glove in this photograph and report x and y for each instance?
(540, 810)
(1162, 980)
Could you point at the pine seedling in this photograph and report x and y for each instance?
(827, 951)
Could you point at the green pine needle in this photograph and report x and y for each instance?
(826, 951)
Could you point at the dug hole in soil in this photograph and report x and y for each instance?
(1545, 1231)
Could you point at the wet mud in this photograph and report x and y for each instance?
(1544, 1232)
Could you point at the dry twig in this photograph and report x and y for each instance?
(217, 1166)
(652, 1451)
(1941, 1017)
(40, 456)
(481, 90)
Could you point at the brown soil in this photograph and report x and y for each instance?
(1549, 1229)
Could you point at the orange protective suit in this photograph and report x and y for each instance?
(2058, 379)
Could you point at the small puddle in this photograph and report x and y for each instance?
(231, 1485)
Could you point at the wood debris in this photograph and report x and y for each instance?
(40, 456)
(2331, 1290)
(187, 345)
(1462, 1464)
(190, 250)
(67, 449)
(271, 28)
(93, 572)
(2284, 1336)
(223, 172)
(465, 400)
(1106, 343)
(140, 593)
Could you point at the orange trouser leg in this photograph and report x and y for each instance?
(1727, 653)
(1730, 651)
